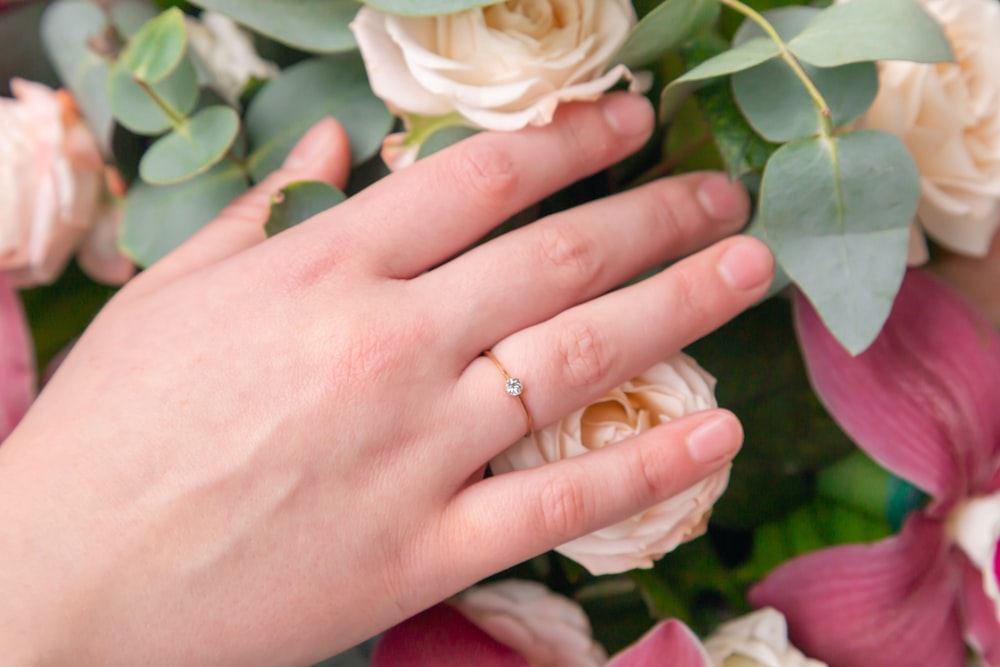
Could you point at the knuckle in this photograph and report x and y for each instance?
(689, 298)
(572, 257)
(650, 477)
(674, 211)
(485, 170)
(585, 355)
(565, 507)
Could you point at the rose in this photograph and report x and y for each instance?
(948, 115)
(500, 67)
(546, 628)
(51, 184)
(756, 640)
(667, 391)
(227, 53)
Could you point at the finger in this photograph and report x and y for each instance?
(574, 358)
(525, 513)
(322, 154)
(426, 213)
(527, 276)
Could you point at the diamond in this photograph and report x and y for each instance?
(514, 387)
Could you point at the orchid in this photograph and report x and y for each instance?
(924, 401)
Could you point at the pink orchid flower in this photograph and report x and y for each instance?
(924, 401)
(17, 370)
(443, 637)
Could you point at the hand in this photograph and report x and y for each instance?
(264, 452)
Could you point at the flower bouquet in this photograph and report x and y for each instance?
(862, 519)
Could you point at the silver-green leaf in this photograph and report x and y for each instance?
(665, 29)
(193, 148)
(319, 26)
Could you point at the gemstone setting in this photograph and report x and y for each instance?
(514, 387)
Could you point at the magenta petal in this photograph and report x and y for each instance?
(981, 626)
(442, 637)
(669, 643)
(890, 603)
(17, 368)
(922, 400)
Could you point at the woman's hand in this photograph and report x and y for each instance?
(263, 452)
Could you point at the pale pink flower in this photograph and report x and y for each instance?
(668, 391)
(924, 401)
(52, 181)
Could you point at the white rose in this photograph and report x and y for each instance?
(948, 115)
(227, 54)
(975, 527)
(667, 391)
(52, 182)
(549, 630)
(759, 639)
(500, 67)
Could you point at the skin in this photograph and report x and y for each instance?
(261, 453)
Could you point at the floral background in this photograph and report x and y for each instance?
(859, 526)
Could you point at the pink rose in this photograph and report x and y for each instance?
(51, 188)
(667, 391)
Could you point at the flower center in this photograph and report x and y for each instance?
(533, 18)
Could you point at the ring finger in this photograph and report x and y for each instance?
(577, 356)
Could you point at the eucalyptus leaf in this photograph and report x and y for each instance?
(870, 30)
(157, 49)
(136, 110)
(775, 101)
(428, 7)
(159, 218)
(193, 148)
(319, 26)
(837, 212)
(68, 27)
(445, 137)
(297, 202)
(744, 56)
(305, 93)
(665, 29)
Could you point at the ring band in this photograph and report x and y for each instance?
(514, 388)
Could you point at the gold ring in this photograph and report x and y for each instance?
(514, 388)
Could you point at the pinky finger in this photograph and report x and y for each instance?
(525, 513)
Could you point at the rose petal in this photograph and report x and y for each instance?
(669, 643)
(442, 637)
(982, 627)
(922, 400)
(889, 603)
(17, 370)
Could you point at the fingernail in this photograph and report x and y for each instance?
(723, 199)
(746, 265)
(627, 114)
(312, 147)
(716, 440)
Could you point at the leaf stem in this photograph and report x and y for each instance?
(788, 57)
(176, 118)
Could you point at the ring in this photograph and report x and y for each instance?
(514, 388)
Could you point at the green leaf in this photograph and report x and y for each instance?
(837, 211)
(297, 202)
(159, 218)
(443, 138)
(428, 7)
(68, 26)
(774, 100)
(665, 29)
(302, 95)
(870, 30)
(157, 49)
(319, 26)
(193, 148)
(744, 56)
(136, 110)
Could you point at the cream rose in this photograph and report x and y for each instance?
(759, 639)
(51, 188)
(948, 115)
(667, 391)
(500, 67)
(549, 630)
(227, 54)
